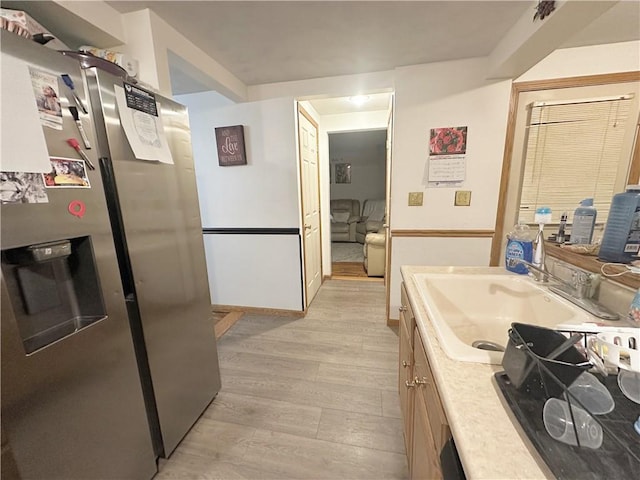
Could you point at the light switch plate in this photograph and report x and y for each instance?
(415, 199)
(463, 198)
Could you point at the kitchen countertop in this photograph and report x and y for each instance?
(489, 440)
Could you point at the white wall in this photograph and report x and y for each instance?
(367, 161)
(263, 193)
(249, 270)
(593, 60)
(445, 94)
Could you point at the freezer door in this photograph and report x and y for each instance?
(161, 220)
(72, 406)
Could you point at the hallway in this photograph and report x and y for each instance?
(308, 398)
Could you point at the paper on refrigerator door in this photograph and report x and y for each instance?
(24, 148)
(145, 132)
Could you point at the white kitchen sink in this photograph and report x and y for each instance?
(467, 306)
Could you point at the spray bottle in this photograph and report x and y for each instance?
(584, 221)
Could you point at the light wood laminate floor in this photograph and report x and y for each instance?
(308, 398)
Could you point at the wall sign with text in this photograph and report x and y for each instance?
(230, 142)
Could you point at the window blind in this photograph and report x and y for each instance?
(572, 152)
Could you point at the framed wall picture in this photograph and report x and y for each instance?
(230, 143)
(343, 173)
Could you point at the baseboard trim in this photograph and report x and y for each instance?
(258, 310)
(392, 322)
(226, 323)
(357, 279)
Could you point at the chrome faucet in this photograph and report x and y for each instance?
(540, 272)
(579, 291)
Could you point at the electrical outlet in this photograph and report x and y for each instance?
(463, 198)
(415, 199)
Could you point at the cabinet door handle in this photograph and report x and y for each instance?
(405, 364)
(409, 384)
(418, 381)
(403, 308)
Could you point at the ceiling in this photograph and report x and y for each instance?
(267, 41)
(276, 41)
(273, 41)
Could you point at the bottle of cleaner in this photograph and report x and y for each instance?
(520, 247)
(621, 239)
(584, 221)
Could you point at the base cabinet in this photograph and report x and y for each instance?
(426, 430)
(425, 464)
(405, 378)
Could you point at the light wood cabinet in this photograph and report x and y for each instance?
(405, 369)
(426, 429)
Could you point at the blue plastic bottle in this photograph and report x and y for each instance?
(621, 240)
(584, 221)
(519, 246)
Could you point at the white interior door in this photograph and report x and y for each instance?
(387, 189)
(309, 171)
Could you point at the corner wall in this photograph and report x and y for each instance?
(447, 94)
(249, 267)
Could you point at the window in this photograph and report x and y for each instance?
(573, 151)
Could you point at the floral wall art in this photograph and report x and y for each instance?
(447, 157)
(447, 141)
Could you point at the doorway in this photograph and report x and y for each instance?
(357, 197)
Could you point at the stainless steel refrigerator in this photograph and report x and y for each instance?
(155, 218)
(108, 350)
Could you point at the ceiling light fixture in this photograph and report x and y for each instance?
(359, 99)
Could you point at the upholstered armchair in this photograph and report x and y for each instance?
(345, 214)
(374, 254)
(372, 219)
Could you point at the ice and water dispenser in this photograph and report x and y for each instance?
(54, 289)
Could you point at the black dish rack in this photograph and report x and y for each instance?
(530, 379)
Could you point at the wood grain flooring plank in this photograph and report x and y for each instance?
(361, 430)
(183, 466)
(391, 405)
(269, 363)
(304, 392)
(356, 325)
(265, 413)
(381, 342)
(344, 355)
(319, 459)
(255, 323)
(219, 440)
(301, 334)
(382, 378)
